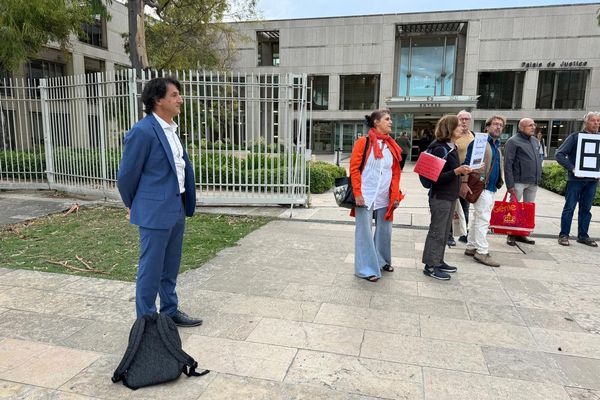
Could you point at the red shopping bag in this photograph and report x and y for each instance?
(513, 217)
(429, 166)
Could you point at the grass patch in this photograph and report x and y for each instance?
(100, 242)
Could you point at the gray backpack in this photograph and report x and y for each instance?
(154, 354)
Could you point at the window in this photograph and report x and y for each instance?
(427, 66)
(91, 67)
(93, 33)
(561, 89)
(502, 90)
(323, 136)
(320, 92)
(560, 131)
(38, 69)
(359, 92)
(268, 48)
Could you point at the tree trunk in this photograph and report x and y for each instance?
(137, 37)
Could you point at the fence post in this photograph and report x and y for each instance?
(48, 147)
(102, 131)
(133, 104)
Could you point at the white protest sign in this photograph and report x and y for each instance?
(478, 152)
(587, 159)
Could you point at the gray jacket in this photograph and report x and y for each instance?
(522, 161)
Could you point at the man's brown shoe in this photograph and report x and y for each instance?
(470, 252)
(563, 240)
(486, 259)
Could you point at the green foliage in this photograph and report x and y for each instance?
(190, 34)
(108, 243)
(25, 26)
(21, 164)
(554, 178)
(322, 176)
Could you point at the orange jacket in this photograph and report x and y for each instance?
(355, 176)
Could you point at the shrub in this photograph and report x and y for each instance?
(322, 176)
(554, 178)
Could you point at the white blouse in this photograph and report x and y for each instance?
(376, 178)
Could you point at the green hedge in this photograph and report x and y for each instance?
(22, 164)
(554, 178)
(322, 176)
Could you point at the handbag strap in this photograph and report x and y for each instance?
(363, 161)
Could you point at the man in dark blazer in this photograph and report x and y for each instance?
(156, 183)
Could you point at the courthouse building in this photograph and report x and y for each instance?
(538, 62)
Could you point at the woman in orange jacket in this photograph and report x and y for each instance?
(375, 175)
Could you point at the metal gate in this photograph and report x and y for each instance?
(246, 134)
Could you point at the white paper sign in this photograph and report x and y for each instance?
(478, 152)
(587, 160)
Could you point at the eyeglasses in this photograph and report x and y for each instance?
(500, 124)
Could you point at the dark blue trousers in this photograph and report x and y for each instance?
(160, 255)
(582, 192)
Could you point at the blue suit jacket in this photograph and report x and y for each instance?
(147, 178)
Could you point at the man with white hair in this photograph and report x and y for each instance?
(522, 169)
(462, 143)
(579, 189)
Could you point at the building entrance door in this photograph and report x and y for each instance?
(348, 133)
(422, 135)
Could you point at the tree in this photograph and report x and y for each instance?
(26, 26)
(187, 34)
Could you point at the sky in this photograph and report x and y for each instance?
(293, 9)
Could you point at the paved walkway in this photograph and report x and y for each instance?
(286, 319)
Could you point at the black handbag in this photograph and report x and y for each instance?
(344, 196)
(342, 191)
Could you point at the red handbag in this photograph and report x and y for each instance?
(513, 217)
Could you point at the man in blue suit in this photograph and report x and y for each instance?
(156, 183)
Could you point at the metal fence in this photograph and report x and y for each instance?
(246, 134)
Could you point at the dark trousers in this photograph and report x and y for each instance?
(439, 228)
(582, 192)
(465, 206)
(160, 255)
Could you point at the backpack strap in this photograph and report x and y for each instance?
(189, 364)
(135, 337)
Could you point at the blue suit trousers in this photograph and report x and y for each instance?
(160, 256)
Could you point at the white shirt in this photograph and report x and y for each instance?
(376, 179)
(176, 148)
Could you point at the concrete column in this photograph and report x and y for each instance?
(334, 92)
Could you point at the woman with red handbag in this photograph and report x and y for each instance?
(442, 196)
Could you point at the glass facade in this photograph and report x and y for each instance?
(560, 130)
(561, 90)
(427, 66)
(359, 92)
(93, 33)
(320, 92)
(500, 90)
(323, 133)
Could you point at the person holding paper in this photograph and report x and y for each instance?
(477, 245)
(375, 176)
(522, 169)
(462, 143)
(442, 196)
(580, 190)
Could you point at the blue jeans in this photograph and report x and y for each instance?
(582, 192)
(371, 252)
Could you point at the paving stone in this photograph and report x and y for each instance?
(456, 292)
(583, 394)
(571, 343)
(579, 371)
(386, 284)
(420, 305)
(369, 318)
(5, 270)
(18, 391)
(270, 307)
(493, 313)
(40, 301)
(39, 327)
(99, 309)
(203, 301)
(255, 360)
(355, 375)
(521, 364)
(19, 358)
(95, 381)
(36, 279)
(306, 335)
(227, 387)
(225, 325)
(424, 352)
(241, 284)
(589, 322)
(452, 385)
(397, 262)
(100, 288)
(549, 319)
(484, 333)
(325, 294)
(100, 336)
